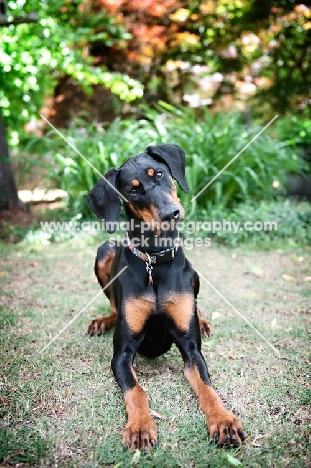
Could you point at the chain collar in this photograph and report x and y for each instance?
(166, 255)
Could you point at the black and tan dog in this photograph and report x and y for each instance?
(153, 301)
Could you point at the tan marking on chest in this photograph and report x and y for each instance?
(180, 308)
(137, 310)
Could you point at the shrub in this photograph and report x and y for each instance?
(293, 223)
(209, 141)
(295, 132)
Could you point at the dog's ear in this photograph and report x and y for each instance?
(103, 200)
(175, 159)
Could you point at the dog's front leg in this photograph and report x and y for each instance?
(140, 431)
(224, 428)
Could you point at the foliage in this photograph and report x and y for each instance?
(209, 141)
(205, 50)
(102, 148)
(293, 223)
(296, 133)
(33, 57)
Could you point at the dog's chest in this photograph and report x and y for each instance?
(177, 306)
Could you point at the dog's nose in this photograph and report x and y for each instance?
(171, 213)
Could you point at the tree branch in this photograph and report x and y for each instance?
(31, 18)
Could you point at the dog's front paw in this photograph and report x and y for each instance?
(225, 429)
(99, 326)
(140, 433)
(205, 328)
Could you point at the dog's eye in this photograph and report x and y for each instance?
(159, 175)
(134, 190)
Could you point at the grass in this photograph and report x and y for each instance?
(63, 407)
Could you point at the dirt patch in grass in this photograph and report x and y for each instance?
(63, 407)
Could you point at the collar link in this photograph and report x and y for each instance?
(166, 255)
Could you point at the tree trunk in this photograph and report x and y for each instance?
(8, 192)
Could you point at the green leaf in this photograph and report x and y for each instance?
(136, 457)
(208, 342)
(233, 461)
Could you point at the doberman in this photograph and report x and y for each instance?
(153, 301)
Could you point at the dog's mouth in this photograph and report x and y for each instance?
(159, 221)
(169, 223)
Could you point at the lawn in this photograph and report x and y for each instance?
(63, 407)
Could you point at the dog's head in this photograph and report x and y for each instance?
(145, 182)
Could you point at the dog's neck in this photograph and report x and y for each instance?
(149, 240)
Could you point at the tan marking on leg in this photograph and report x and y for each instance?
(100, 325)
(104, 267)
(137, 311)
(219, 420)
(140, 430)
(210, 402)
(103, 273)
(180, 308)
(150, 172)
